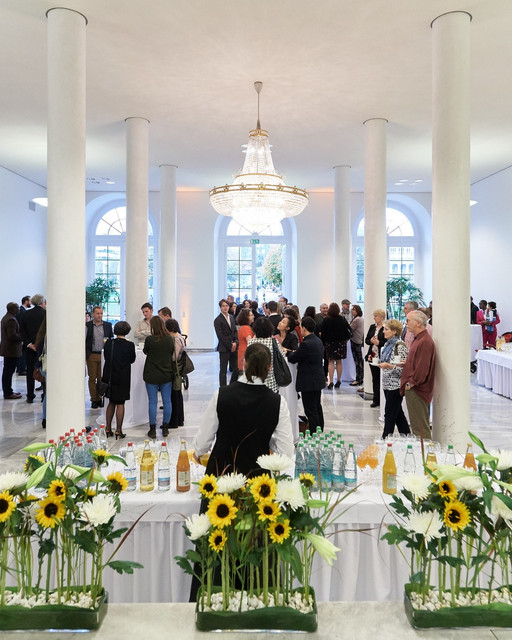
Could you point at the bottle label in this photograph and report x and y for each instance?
(391, 481)
(164, 483)
(183, 478)
(147, 477)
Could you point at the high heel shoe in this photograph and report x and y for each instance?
(120, 435)
(109, 433)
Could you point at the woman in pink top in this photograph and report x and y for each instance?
(244, 320)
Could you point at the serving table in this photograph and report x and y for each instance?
(495, 371)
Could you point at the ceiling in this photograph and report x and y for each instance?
(189, 67)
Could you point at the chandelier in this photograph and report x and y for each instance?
(258, 196)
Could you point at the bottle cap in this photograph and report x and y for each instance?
(130, 444)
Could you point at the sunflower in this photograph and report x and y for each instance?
(90, 493)
(208, 486)
(57, 491)
(217, 539)
(50, 512)
(456, 515)
(307, 479)
(100, 455)
(447, 490)
(7, 506)
(221, 510)
(118, 482)
(264, 488)
(279, 531)
(32, 463)
(268, 510)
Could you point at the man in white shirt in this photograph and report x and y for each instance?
(143, 329)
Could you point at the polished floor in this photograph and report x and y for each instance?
(345, 411)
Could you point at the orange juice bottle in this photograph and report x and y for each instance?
(389, 472)
(183, 469)
(469, 460)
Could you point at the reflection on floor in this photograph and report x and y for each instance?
(345, 411)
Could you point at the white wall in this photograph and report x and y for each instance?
(491, 248)
(22, 239)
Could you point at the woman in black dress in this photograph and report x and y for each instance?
(335, 332)
(119, 356)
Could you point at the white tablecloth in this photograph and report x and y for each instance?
(349, 366)
(475, 340)
(495, 371)
(289, 393)
(365, 569)
(136, 408)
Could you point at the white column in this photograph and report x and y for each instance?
(137, 186)
(451, 224)
(342, 235)
(167, 244)
(66, 222)
(375, 240)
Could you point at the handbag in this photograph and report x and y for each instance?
(37, 375)
(186, 365)
(103, 388)
(280, 366)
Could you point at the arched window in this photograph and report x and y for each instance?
(402, 249)
(255, 267)
(108, 256)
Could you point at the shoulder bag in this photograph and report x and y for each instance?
(281, 369)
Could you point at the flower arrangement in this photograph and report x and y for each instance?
(52, 544)
(261, 535)
(458, 526)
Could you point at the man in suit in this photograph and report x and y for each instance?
(96, 333)
(274, 317)
(30, 322)
(10, 349)
(310, 372)
(225, 328)
(21, 367)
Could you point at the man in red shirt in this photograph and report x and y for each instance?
(418, 374)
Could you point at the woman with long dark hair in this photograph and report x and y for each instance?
(335, 332)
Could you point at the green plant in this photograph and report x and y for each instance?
(273, 266)
(99, 292)
(398, 291)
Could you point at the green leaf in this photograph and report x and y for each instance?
(86, 540)
(37, 446)
(485, 458)
(507, 500)
(46, 548)
(124, 566)
(296, 563)
(184, 564)
(118, 459)
(38, 475)
(481, 559)
(452, 561)
(316, 504)
(418, 578)
(477, 441)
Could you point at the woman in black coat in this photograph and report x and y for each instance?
(119, 356)
(375, 339)
(289, 340)
(335, 332)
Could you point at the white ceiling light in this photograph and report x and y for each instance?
(258, 197)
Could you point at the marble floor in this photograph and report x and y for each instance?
(344, 409)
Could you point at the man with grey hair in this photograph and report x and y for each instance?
(345, 310)
(417, 382)
(408, 336)
(30, 322)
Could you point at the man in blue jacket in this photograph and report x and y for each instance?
(310, 372)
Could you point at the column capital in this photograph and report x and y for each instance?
(448, 13)
(67, 9)
(339, 166)
(137, 118)
(167, 165)
(370, 119)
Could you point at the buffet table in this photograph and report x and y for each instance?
(495, 371)
(365, 569)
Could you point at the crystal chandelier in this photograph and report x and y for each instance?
(258, 197)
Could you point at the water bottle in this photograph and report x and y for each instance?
(409, 461)
(312, 462)
(300, 460)
(326, 466)
(88, 447)
(50, 452)
(130, 471)
(79, 455)
(66, 455)
(338, 469)
(164, 469)
(351, 469)
(450, 456)
(103, 438)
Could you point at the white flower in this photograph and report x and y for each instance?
(469, 483)
(68, 472)
(499, 508)
(428, 524)
(198, 525)
(504, 458)
(275, 462)
(99, 510)
(290, 492)
(416, 483)
(324, 547)
(230, 482)
(13, 480)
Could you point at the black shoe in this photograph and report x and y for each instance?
(43, 423)
(152, 431)
(94, 404)
(120, 435)
(30, 400)
(165, 430)
(337, 385)
(375, 404)
(330, 385)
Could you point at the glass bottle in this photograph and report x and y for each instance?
(351, 469)
(183, 469)
(164, 469)
(147, 469)
(389, 472)
(300, 459)
(469, 460)
(409, 460)
(130, 471)
(326, 466)
(338, 469)
(102, 438)
(431, 461)
(450, 456)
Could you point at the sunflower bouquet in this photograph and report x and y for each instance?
(256, 538)
(55, 524)
(458, 525)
